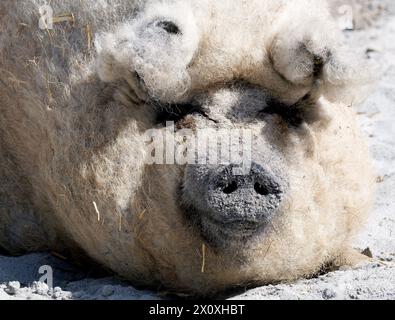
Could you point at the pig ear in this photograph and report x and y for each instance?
(346, 77)
(158, 45)
(308, 51)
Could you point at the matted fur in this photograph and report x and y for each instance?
(72, 116)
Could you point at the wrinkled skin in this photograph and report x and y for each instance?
(73, 114)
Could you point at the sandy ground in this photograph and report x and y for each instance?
(19, 277)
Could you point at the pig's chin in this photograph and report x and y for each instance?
(223, 235)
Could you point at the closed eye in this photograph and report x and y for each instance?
(177, 112)
(291, 114)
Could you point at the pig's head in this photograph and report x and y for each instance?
(268, 77)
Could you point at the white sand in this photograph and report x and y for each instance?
(375, 281)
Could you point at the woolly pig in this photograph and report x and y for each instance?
(77, 100)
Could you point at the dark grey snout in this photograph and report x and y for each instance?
(232, 207)
(251, 198)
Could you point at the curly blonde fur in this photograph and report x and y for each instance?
(75, 102)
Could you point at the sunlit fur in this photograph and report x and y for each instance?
(75, 101)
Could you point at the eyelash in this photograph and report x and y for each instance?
(292, 115)
(178, 112)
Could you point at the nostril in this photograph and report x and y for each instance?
(260, 189)
(230, 188)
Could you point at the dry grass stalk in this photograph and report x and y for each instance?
(203, 257)
(89, 35)
(66, 17)
(97, 211)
